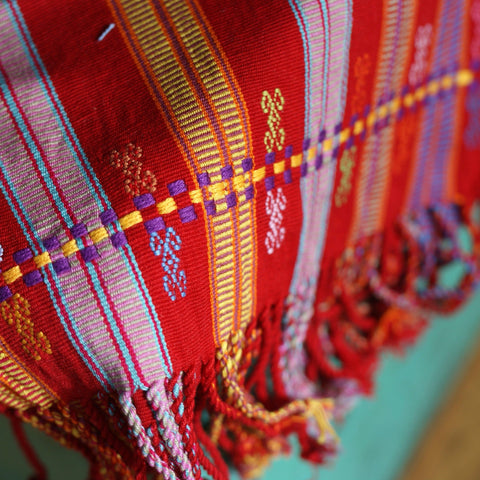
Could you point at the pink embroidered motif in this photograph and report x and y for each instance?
(137, 181)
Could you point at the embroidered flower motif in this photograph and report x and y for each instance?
(275, 137)
(174, 280)
(137, 180)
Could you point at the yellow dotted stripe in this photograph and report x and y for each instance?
(219, 190)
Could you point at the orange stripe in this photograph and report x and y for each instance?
(145, 20)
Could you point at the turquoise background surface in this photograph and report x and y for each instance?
(377, 437)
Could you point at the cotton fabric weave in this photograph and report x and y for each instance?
(217, 214)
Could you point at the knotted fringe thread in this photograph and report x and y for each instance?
(235, 407)
(385, 290)
(78, 432)
(171, 434)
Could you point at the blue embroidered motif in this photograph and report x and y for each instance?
(174, 281)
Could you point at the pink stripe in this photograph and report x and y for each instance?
(61, 167)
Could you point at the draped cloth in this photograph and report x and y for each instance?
(216, 215)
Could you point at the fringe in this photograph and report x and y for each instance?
(237, 408)
(385, 290)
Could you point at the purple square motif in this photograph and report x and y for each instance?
(187, 214)
(118, 239)
(210, 207)
(304, 169)
(61, 265)
(32, 278)
(108, 216)
(249, 192)
(227, 172)
(306, 144)
(231, 199)
(203, 179)
(322, 136)
(288, 151)
(269, 158)
(269, 183)
(51, 243)
(79, 230)
(89, 253)
(287, 176)
(154, 225)
(349, 143)
(177, 187)
(247, 164)
(319, 161)
(5, 293)
(23, 255)
(144, 201)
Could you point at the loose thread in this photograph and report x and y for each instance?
(29, 452)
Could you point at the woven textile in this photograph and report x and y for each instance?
(217, 214)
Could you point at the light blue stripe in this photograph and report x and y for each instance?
(57, 100)
(308, 126)
(31, 145)
(292, 4)
(155, 324)
(116, 332)
(327, 60)
(38, 158)
(5, 178)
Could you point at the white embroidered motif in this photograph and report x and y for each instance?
(274, 208)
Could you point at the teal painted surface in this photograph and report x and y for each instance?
(377, 437)
(381, 432)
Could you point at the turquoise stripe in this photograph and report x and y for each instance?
(13, 206)
(91, 269)
(326, 61)
(145, 298)
(31, 145)
(59, 105)
(116, 332)
(306, 60)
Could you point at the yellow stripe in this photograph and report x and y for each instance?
(191, 116)
(462, 78)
